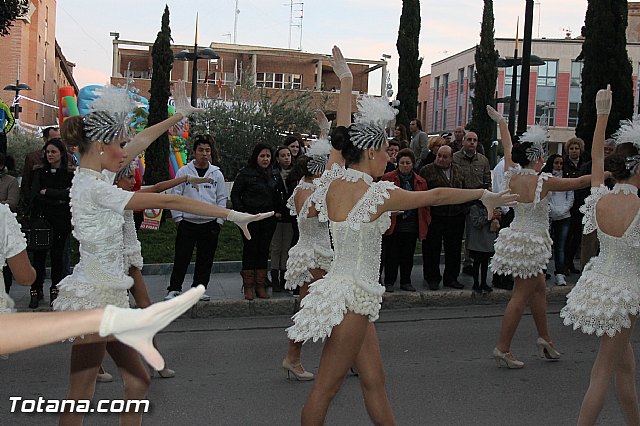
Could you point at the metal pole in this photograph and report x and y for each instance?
(512, 102)
(526, 68)
(16, 105)
(194, 77)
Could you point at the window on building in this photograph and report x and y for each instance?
(445, 99)
(436, 102)
(460, 100)
(573, 113)
(576, 74)
(548, 74)
(546, 93)
(470, 91)
(273, 80)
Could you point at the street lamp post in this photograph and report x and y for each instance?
(526, 66)
(16, 102)
(185, 55)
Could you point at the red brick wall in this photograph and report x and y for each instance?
(500, 88)
(562, 99)
(533, 82)
(452, 106)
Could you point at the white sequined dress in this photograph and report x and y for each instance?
(313, 250)
(351, 284)
(97, 215)
(13, 242)
(608, 291)
(132, 247)
(524, 248)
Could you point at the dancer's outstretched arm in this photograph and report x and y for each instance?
(168, 184)
(142, 140)
(603, 108)
(343, 115)
(507, 144)
(21, 268)
(134, 327)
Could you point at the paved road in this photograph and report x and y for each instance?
(437, 360)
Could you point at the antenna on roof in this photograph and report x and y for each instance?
(298, 9)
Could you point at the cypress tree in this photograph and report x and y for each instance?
(409, 63)
(157, 155)
(485, 81)
(606, 61)
(10, 10)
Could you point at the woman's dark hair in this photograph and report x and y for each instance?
(63, 153)
(300, 167)
(395, 142)
(616, 162)
(519, 153)
(340, 140)
(207, 139)
(406, 153)
(72, 132)
(276, 153)
(548, 166)
(253, 159)
(10, 163)
(403, 132)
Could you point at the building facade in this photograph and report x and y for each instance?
(32, 56)
(277, 70)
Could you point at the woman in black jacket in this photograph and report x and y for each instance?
(254, 191)
(50, 197)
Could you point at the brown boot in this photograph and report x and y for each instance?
(248, 283)
(261, 277)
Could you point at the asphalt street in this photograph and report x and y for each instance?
(437, 360)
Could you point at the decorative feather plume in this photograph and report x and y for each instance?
(371, 120)
(111, 116)
(538, 136)
(629, 132)
(318, 155)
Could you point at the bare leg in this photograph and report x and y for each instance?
(85, 361)
(295, 348)
(538, 306)
(134, 375)
(523, 290)
(610, 356)
(371, 373)
(626, 387)
(338, 355)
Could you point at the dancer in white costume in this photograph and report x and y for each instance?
(343, 305)
(523, 249)
(22, 331)
(606, 299)
(97, 214)
(310, 258)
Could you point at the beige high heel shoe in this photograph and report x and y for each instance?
(546, 350)
(508, 358)
(290, 368)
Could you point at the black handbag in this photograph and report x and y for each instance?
(38, 233)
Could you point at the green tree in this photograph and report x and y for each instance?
(485, 81)
(10, 10)
(157, 155)
(604, 52)
(409, 63)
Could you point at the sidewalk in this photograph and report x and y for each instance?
(227, 299)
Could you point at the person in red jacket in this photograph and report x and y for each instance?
(406, 226)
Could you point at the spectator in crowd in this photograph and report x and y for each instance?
(294, 143)
(572, 168)
(458, 138)
(477, 174)
(482, 234)
(590, 245)
(392, 152)
(447, 223)
(201, 232)
(50, 198)
(9, 195)
(419, 140)
(283, 234)
(434, 144)
(560, 204)
(406, 226)
(35, 158)
(400, 134)
(254, 190)
(446, 136)
(504, 282)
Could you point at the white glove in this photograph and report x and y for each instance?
(339, 65)
(491, 200)
(494, 115)
(197, 180)
(603, 101)
(243, 219)
(182, 104)
(136, 327)
(323, 123)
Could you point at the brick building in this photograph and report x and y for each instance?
(277, 70)
(32, 56)
(554, 88)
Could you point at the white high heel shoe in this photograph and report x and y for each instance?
(508, 358)
(546, 350)
(290, 368)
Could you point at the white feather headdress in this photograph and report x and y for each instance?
(111, 115)
(371, 120)
(538, 137)
(629, 132)
(318, 154)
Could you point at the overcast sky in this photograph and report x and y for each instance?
(362, 28)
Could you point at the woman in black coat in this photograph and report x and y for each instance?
(50, 198)
(255, 191)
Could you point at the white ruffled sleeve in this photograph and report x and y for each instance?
(12, 237)
(589, 208)
(319, 197)
(110, 197)
(369, 203)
